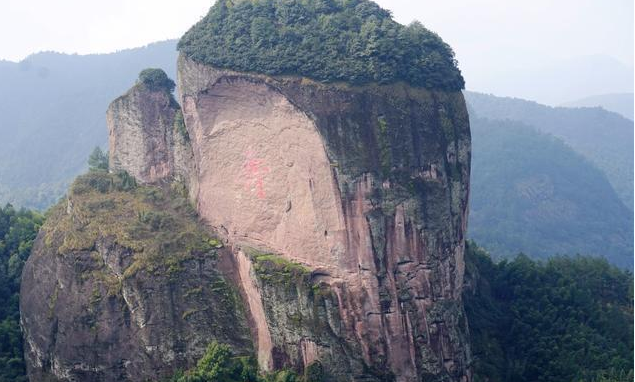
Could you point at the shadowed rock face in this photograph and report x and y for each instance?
(367, 187)
(144, 137)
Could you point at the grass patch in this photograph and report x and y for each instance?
(162, 234)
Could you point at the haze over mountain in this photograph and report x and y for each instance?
(620, 103)
(532, 193)
(53, 109)
(603, 137)
(302, 209)
(49, 148)
(554, 82)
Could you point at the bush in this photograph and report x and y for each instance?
(156, 79)
(219, 364)
(98, 160)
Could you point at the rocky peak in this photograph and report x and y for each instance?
(367, 188)
(147, 136)
(340, 198)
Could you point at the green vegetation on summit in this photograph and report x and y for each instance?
(565, 319)
(156, 79)
(353, 41)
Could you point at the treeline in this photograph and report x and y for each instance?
(564, 319)
(18, 229)
(354, 41)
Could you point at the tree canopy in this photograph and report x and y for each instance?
(564, 319)
(98, 160)
(353, 41)
(18, 229)
(156, 79)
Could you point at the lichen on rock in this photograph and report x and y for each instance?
(383, 228)
(132, 284)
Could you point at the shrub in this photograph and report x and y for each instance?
(98, 160)
(156, 79)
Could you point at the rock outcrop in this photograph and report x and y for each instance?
(342, 211)
(365, 186)
(147, 137)
(123, 285)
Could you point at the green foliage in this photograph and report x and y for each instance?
(219, 364)
(279, 270)
(18, 229)
(354, 41)
(156, 79)
(314, 372)
(159, 226)
(128, 182)
(98, 160)
(565, 319)
(179, 126)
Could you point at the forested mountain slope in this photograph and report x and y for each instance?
(52, 114)
(531, 193)
(564, 319)
(603, 137)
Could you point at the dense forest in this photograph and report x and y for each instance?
(353, 41)
(564, 319)
(532, 193)
(18, 229)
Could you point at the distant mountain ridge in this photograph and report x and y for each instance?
(603, 137)
(45, 148)
(53, 108)
(532, 193)
(620, 103)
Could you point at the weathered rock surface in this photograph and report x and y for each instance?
(343, 210)
(367, 187)
(147, 137)
(122, 286)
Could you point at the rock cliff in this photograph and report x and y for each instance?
(147, 137)
(341, 210)
(365, 186)
(123, 285)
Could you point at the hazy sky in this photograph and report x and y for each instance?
(487, 35)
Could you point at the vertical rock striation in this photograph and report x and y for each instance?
(365, 186)
(342, 209)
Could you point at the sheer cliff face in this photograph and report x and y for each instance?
(365, 186)
(342, 210)
(144, 137)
